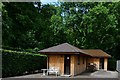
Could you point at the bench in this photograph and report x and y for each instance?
(53, 70)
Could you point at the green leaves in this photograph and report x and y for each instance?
(91, 26)
(17, 63)
(83, 24)
(1, 6)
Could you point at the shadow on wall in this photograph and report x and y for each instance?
(112, 64)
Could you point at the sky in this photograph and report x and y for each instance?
(48, 1)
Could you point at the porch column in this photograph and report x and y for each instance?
(98, 64)
(105, 63)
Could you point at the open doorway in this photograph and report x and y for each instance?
(67, 64)
(101, 63)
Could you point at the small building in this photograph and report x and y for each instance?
(72, 60)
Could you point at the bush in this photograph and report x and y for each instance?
(17, 63)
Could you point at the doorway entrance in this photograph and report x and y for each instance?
(67, 64)
(101, 63)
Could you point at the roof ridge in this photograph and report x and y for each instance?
(80, 50)
(73, 47)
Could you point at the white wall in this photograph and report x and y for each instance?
(118, 66)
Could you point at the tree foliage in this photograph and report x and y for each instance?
(85, 24)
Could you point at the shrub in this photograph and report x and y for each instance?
(17, 63)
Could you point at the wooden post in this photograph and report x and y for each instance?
(105, 63)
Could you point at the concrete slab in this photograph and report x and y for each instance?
(105, 74)
(97, 74)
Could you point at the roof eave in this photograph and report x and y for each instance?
(59, 52)
(102, 56)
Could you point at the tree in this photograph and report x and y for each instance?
(18, 22)
(85, 25)
(88, 25)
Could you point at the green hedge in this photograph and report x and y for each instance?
(17, 63)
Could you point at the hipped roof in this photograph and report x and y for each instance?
(66, 48)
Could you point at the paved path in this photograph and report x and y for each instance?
(110, 75)
(105, 74)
